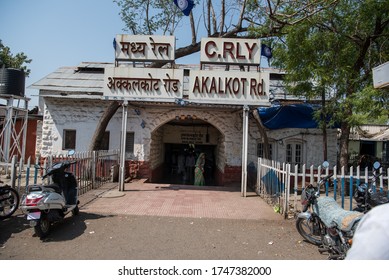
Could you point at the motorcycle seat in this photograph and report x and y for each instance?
(55, 187)
(332, 214)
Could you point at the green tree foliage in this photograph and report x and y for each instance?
(146, 17)
(329, 51)
(8, 60)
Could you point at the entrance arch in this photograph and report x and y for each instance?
(179, 135)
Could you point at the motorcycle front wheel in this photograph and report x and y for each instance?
(42, 228)
(9, 203)
(306, 228)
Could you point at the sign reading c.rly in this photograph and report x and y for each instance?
(231, 51)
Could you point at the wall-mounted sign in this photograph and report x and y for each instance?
(224, 87)
(144, 48)
(192, 138)
(230, 51)
(142, 83)
(381, 75)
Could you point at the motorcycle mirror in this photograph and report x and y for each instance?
(71, 152)
(376, 165)
(326, 164)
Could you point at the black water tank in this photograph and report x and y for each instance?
(12, 82)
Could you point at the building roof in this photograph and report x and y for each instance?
(370, 133)
(84, 78)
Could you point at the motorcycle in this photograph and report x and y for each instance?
(324, 223)
(365, 195)
(9, 201)
(47, 204)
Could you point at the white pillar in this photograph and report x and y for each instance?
(244, 149)
(122, 169)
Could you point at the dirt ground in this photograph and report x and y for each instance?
(153, 222)
(91, 236)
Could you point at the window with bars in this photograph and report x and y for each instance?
(69, 139)
(261, 151)
(294, 153)
(105, 141)
(130, 137)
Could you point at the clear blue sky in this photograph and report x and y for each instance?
(56, 33)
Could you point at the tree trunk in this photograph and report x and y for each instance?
(102, 125)
(343, 144)
(323, 123)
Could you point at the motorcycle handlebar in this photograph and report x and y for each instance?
(65, 164)
(325, 179)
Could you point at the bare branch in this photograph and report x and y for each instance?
(209, 17)
(222, 16)
(193, 29)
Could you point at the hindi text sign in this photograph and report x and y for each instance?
(144, 48)
(142, 83)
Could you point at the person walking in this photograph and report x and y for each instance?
(199, 171)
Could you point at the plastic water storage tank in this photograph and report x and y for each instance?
(12, 82)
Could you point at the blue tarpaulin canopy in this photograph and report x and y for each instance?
(288, 116)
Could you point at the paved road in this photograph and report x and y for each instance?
(129, 229)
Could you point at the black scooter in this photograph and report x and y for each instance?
(366, 196)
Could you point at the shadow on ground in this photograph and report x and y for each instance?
(69, 228)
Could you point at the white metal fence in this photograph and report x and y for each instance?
(280, 184)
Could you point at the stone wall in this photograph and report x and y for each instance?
(150, 128)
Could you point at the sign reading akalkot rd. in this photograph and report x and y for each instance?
(205, 86)
(227, 85)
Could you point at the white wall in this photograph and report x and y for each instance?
(225, 130)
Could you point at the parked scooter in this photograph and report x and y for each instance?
(9, 201)
(47, 204)
(324, 223)
(365, 195)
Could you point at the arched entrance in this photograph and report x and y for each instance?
(175, 146)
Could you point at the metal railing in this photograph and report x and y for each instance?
(92, 170)
(280, 184)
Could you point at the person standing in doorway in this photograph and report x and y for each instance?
(181, 164)
(199, 171)
(190, 162)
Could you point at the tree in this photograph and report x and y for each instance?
(7, 60)
(146, 17)
(331, 53)
(328, 48)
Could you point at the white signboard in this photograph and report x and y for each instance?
(230, 51)
(224, 87)
(126, 83)
(381, 76)
(144, 48)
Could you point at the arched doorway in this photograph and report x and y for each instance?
(178, 142)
